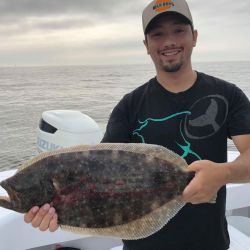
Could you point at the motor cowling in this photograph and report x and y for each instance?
(65, 128)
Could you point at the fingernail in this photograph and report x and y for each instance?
(51, 210)
(35, 209)
(46, 207)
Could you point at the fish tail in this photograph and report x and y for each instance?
(5, 203)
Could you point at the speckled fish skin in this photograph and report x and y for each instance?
(97, 187)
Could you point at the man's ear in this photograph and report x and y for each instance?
(195, 36)
(146, 45)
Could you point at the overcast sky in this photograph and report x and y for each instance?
(80, 32)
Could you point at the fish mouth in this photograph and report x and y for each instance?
(5, 201)
(11, 200)
(10, 195)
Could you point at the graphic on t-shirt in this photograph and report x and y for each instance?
(146, 122)
(208, 115)
(208, 118)
(205, 117)
(187, 148)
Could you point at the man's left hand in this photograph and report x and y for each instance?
(209, 177)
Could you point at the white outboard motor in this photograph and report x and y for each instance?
(65, 128)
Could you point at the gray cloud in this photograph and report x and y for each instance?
(26, 8)
(54, 31)
(63, 24)
(51, 7)
(223, 11)
(42, 25)
(20, 16)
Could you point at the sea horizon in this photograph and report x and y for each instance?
(25, 92)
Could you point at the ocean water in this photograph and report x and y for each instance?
(25, 92)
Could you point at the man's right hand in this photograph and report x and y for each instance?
(43, 218)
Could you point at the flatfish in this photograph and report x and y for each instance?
(128, 191)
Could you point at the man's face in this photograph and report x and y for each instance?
(170, 42)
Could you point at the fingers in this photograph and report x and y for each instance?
(193, 193)
(28, 217)
(195, 196)
(196, 199)
(205, 183)
(194, 166)
(43, 218)
(40, 215)
(189, 195)
(53, 226)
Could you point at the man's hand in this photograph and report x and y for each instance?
(43, 218)
(209, 178)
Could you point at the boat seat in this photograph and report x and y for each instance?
(16, 234)
(116, 248)
(239, 241)
(241, 223)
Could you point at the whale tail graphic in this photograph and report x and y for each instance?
(208, 118)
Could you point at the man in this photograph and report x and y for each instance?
(190, 113)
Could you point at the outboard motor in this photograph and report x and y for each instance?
(65, 128)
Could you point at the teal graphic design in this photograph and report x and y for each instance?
(186, 148)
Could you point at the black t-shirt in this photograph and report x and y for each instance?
(195, 124)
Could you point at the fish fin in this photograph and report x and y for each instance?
(140, 148)
(166, 155)
(53, 153)
(137, 229)
(77, 148)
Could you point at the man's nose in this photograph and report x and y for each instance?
(169, 40)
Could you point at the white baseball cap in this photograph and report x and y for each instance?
(158, 7)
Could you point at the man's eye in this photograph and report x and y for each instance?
(157, 34)
(179, 31)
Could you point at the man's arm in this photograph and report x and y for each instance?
(239, 169)
(211, 176)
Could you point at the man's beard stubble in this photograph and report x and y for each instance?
(172, 67)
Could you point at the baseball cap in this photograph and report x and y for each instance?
(157, 7)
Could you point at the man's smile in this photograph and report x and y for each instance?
(170, 52)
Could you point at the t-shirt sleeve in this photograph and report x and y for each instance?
(239, 114)
(117, 129)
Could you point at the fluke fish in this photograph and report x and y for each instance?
(128, 191)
